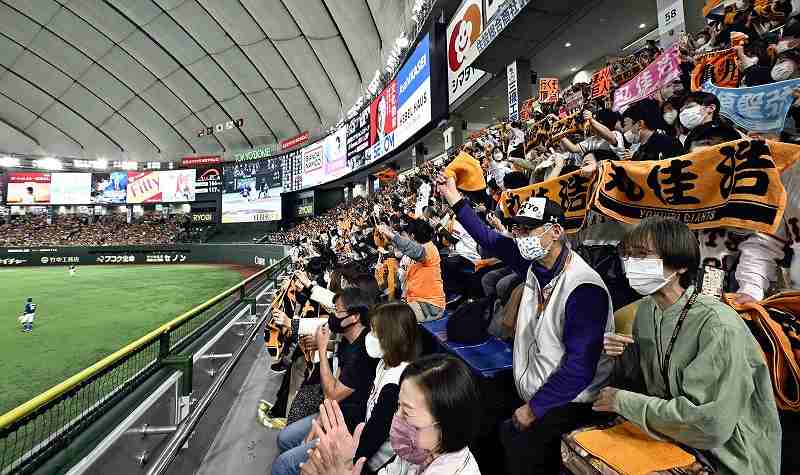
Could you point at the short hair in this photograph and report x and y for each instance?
(452, 396)
(367, 284)
(711, 134)
(607, 117)
(704, 99)
(395, 325)
(421, 231)
(648, 111)
(674, 242)
(355, 300)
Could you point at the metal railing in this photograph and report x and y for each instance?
(35, 430)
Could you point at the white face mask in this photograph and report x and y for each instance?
(669, 117)
(497, 156)
(786, 45)
(373, 346)
(692, 116)
(632, 136)
(530, 247)
(748, 62)
(646, 275)
(783, 70)
(700, 41)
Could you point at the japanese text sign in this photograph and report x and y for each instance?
(759, 108)
(548, 90)
(601, 82)
(719, 67)
(662, 71)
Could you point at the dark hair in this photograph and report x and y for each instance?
(452, 396)
(513, 180)
(355, 300)
(421, 231)
(367, 284)
(704, 99)
(711, 134)
(395, 326)
(648, 111)
(607, 117)
(674, 242)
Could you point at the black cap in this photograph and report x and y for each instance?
(536, 212)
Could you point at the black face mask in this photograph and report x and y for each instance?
(335, 324)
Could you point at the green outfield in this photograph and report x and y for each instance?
(83, 318)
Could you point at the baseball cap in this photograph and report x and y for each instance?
(536, 212)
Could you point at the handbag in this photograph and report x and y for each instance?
(621, 448)
(306, 402)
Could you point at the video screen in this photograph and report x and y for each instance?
(109, 188)
(28, 188)
(252, 190)
(173, 186)
(70, 188)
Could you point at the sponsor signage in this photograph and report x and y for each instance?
(208, 182)
(165, 258)
(202, 217)
(463, 30)
(500, 14)
(12, 261)
(294, 141)
(60, 260)
(70, 188)
(221, 127)
(161, 186)
(109, 188)
(191, 162)
(254, 154)
(358, 139)
(28, 188)
(513, 97)
(383, 113)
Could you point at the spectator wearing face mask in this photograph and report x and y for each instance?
(564, 311)
(604, 134)
(646, 122)
(705, 382)
(700, 114)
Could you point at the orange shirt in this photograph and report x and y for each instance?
(424, 279)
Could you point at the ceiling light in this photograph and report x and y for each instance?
(642, 25)
(100, 164)
(402, 42)
(9, 162)
(48, 163)
(567, 44)
(129, 165)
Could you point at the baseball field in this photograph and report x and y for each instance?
(82, 318)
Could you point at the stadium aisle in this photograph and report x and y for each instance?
(243, 446)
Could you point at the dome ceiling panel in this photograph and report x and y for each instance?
(54, 141)
(60, 53)
(87, 40)
(42, 10)
(16, 25)
(147, 52)
(123, 66)
(33, 69)
(80, 99)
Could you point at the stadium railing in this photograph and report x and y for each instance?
(35, 430)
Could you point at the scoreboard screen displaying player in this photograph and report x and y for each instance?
(252, 190)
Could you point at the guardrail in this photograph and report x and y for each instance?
(35, 430)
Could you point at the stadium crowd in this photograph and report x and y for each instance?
(627, 357)
(80, 230)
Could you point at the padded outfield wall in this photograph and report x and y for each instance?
(240, 254)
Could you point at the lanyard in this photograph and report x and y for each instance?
(664, 365)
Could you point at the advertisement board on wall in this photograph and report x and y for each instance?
(358, 139)
(313, 161)
(161, 186)
(70, 188)
(295, 141)
(336, 154)
(252, 190)
(208, 183)
(411, 90)
(463, 30)
(144, 187)
(109, 187)
(28, 188)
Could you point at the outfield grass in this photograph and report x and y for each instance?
(81, 319)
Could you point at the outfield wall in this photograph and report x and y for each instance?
(240, 254)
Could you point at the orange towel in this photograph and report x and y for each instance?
(467, 171)
(630, 451)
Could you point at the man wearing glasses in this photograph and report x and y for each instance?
(559, 366)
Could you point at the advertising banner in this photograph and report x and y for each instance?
(414, 93)
(294, 141)
(358, 139)
(70, 188)
(336, 154)
(177, 185)
(109, 187)
(758, 108)
(463, 30)
(513, 97)
(383, 114)
(252, 190)
(208, 183)
(28, 188)
(192, 162)
(313, 164)
(144, 187)
(665, 69)
(254, 154)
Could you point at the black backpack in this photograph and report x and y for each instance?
(467, 323)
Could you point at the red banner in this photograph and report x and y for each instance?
(188, 162)
(29, 177)
(294, 141)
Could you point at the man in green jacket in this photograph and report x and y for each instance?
(696, 374)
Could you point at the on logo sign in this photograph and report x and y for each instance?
(466, 31)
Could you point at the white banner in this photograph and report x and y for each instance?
(464, 29)
(513, 97)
